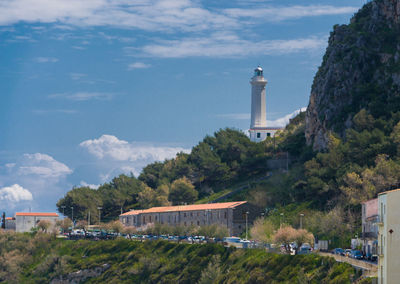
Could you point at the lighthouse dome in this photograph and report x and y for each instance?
(258, 71)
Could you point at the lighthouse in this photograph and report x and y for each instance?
(258, 126)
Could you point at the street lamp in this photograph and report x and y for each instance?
(247, 214)
(301, 220)
(99, 213)
(72, 216)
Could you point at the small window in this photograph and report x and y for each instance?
(258, 134)
(268, 134)
(225, 215)
(150, 219)
(184, 215)
(155, 218)
(191, 214)
(198, 223)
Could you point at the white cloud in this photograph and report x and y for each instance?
(280, 122)
(77, 76)
(230, 45)
(114, 156)
(92, 186)
(138, 65)
(274, 14)
(109, 146)
(283, 121)
(52, 111)
(84, 96)
(15, 193)
(42, 165)
(152, 15)
(235, 116)
(45, 59)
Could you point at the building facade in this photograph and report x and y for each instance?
(24, 222)
(369, 225)
(232, 215)
(10, 223)
(258, 126)
(389, 237)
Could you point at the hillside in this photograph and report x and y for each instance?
(344, 150)
(360, 70)
(27, 259)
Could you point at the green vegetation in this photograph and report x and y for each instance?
(38, 259)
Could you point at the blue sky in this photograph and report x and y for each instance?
(92, 89)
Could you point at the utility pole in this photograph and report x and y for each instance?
(99, 213)
(88, 222)
(73, 224)
(63, 208)
(301, 220)
(247, 214)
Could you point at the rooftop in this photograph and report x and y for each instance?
(193, 207)
(42, 214)
(389, 191)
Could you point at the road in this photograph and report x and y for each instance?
(369, 269)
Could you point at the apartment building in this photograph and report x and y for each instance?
(389, 237)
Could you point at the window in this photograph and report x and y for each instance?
(268, 134)
(155, 218)
(198, 214)
(150, 219)
(225, 215)
(184, 215)
(198, 223)
(191, 214)
(144, 219)
(258, 134)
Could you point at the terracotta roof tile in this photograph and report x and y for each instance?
(36, 214)
(193, 207)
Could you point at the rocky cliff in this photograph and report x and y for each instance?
(360, 69)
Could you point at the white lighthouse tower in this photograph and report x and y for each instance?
(258, 126)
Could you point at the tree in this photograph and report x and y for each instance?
(182, 191)
(287, 235)
(212, 272)
(44, 225)
(64, 224)
(262, 230)
(116, 226)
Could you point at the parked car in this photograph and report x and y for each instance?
(356, 254)
(337, 251)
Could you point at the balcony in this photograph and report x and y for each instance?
(379, 221)
(369, 235)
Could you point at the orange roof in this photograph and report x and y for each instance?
(194, 207)
(9, 218)
(388, 191)
(36, 214)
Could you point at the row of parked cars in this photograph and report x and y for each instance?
(353, 253)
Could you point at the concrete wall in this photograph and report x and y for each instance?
(26, 223)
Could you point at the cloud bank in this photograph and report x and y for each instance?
(114, 156)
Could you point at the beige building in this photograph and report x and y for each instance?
(232, 215)
(25, 221)
(369, 222)
(389, 237)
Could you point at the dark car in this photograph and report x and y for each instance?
(337, 251)
(356, 254)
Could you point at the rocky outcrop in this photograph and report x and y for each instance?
(360, 69)
(81, 275)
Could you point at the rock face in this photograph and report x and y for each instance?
(360, 69)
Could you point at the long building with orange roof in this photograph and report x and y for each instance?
(232, 215)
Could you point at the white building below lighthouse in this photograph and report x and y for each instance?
(258, 126)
